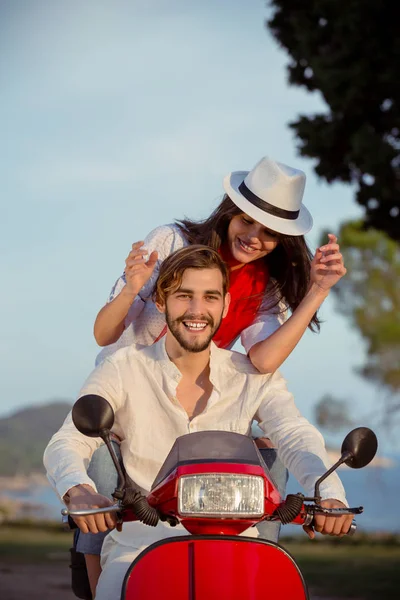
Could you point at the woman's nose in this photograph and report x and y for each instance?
(254, 235)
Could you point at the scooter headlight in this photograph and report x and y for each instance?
(217, 495)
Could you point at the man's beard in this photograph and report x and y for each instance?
(195, 345)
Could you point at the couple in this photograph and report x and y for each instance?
(182, 383)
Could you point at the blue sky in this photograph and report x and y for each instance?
(119, 116)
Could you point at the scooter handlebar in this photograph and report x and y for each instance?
(91, 511)
(314, 510)
(309, 520)
(353, 528)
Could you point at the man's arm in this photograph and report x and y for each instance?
(300, 445)
(67, 457)
(68, 453)
(301, 448)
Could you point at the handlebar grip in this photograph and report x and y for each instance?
(351, 531)
(69, 523)
(353, 528)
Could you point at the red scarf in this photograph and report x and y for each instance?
(247, 288)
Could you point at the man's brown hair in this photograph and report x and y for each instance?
(173, 267)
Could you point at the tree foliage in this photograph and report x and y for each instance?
(332, 414)
(350, 53)
(370, 296)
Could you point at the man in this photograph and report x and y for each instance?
(182, 384)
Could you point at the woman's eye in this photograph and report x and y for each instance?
(247, 221)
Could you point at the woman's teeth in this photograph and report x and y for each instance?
(246, 248)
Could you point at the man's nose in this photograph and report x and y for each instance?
(197, 306)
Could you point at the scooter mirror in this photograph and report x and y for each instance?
(93, 415)
(362, 444)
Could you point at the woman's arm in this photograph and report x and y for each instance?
(326, 269)
(110, 322)
(269, 354)
(139, 278)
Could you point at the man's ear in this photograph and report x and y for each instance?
(227, 302)
(160, 306)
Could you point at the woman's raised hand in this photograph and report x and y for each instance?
(139, 269)
(327, 266)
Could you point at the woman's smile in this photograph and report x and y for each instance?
(246, 247)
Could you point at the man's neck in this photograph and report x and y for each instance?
(195, 387)
(192, 365)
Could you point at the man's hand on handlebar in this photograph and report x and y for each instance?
(83, 497)
(326, 525)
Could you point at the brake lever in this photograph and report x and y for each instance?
(92, 511)
(333, 512)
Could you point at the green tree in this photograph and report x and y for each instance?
(369, 295)
(350, 53)
(332, 413)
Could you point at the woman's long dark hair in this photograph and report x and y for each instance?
(288, 264)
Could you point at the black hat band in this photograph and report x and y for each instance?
(265, 206)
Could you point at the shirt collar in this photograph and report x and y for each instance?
(158, 352)
(217, 355)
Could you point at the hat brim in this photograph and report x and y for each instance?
(299, 226)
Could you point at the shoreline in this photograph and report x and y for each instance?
(20, 483)
(379, 462)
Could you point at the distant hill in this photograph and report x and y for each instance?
(25, 434)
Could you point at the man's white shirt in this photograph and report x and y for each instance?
(140, 384)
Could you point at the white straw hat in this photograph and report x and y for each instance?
(271, 194)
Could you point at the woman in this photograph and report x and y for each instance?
(259, 229)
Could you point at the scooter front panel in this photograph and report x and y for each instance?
(214, 568)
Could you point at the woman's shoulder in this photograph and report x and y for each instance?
(273, 303)
(166, 230)
(166, 234)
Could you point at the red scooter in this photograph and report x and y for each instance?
(216, 485)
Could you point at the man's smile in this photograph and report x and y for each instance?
(195, 326)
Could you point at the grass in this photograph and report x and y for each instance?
(364, 568)
(347, 570)
(29, 543)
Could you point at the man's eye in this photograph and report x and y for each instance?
(183, 296)
(211, 298)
